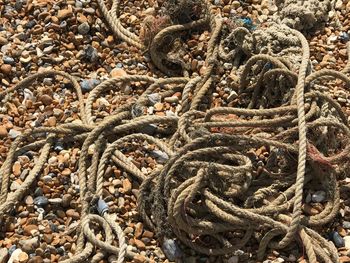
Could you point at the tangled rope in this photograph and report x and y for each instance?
(214, 193)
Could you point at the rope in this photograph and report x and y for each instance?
(214, 192)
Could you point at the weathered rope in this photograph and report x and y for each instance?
(214, 193)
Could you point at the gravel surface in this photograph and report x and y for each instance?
(71, 36)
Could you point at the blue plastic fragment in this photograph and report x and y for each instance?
(102, 206)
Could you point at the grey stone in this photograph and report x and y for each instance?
(84, 28)
(318, 197)
(41, 201)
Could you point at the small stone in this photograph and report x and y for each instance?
(344, 37)
(15, 256)
(3, 131)
(3, 41)
(139, 258)
(140, 245)
(161, 157)
(91, 53)
(227, 65)
(309, 210)
(29, 245)
(235, 4)
(171, 99)
(4, 255)
(84, 28)
(154, 98)
(46, 99)
(338, 240)
(158, 106)
(344, 259)
(29, 200)
(41, 201)
(23, 257)
(171, 249)
(73, 214)
(66, 199)
(232, 96)
(16, 168)
(6, 68)
(148, 234)
(138, 230)
(149, 11)
(346, 224)
(25, 60)
(64, 13)
(52, 121)
(8, 60)
(88, 84)
(118, 72)
(55, 201)
(14, 134)
(30, 230)
(346, 242)
(318, 197)
(14, 186)
(127, 186)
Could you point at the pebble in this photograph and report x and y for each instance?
(337, 239)
(4, 255)
(55, 201)
(66, 199)
(171, 249)
(161, 157)
(41, 201)
(318, 197)
(154, 98)
(15, 256)
(14, 134)
(14, 186)
(25, 60)
(72, 213)
(88, 84)
(46, 99)
(172, 99)
(6, 68)
(29, 200)
(91, 53)
(3, 131)
(347, 242)
(29, 245)
(138, 230)
(139, 259)
(16, 168)
(3, 41)
(118, 72)
(158, 106)
(8, 60)
(346, 224)
(140, 245)
(127, 186)
(84, 28)
(309, 210)
(64, 13)
(23, 257)
(30, 230)
(232, 96)
(344, 37)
